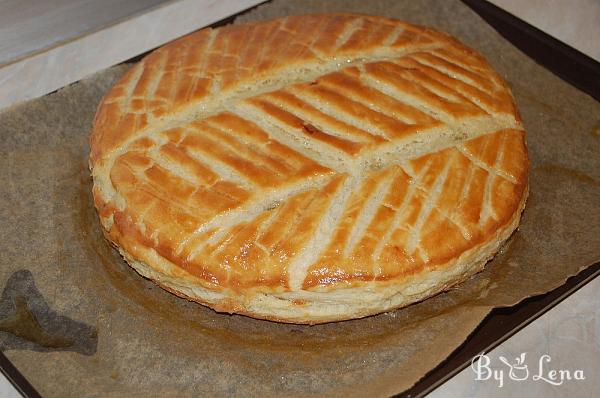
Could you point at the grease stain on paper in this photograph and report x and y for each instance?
(596, 131)
(573, 174)
(28, 323)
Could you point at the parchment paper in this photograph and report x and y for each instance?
(77, 321)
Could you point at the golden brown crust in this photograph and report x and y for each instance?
(269, 168)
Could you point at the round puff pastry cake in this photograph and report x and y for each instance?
(309, 169)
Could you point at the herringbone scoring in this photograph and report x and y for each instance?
(306, 154)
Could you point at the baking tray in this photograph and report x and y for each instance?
(573, 67)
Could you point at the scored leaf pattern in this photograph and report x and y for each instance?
(403, 159)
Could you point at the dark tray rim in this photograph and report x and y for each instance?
(497, 327)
